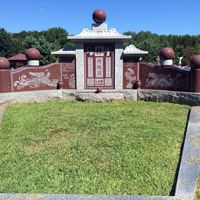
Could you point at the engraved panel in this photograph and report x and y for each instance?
(99, 67)
(99, 82)
(90, 81)
(108, 82)
(90, 67)
(108, 66)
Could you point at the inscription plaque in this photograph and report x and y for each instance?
(99, 66)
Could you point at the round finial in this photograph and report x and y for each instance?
(32, 54)
(195, 62)
(4, 63)
(99, 16)
(166, 53)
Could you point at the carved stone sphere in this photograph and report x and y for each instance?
(32, 54)
(99, 16)
(4, 63)
(195, 62)
(166, 53)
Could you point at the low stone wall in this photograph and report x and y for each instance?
(188, 98)
(41, 96)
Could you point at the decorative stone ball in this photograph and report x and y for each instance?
(4, 63)
(99, 16)
(166, 53)
(32, 54)
(195, 62)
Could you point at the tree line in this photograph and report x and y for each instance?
(183, 45)
(45, 41)
(54, 39)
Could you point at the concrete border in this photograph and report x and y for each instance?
(189, 166)
(190, 161)
(2, 111)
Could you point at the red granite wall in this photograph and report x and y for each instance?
(47, 77)
(5, 85)
(130, 73)
(68, 66)
(164, 78)
(35, 78)
(155, 77)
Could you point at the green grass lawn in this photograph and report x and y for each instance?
(89, 148)
(197, 197)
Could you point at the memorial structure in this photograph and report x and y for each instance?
(99, 60)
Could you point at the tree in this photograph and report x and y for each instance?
(45, 49)
(43, 46)
(5, 44)
(29, 42)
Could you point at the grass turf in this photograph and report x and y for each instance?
(89, 148)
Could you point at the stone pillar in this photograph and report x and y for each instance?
(5, 84)
(80, 66)
(118, 66)
(195, 80)
(195, 74)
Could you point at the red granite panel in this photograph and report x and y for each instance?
(35, 78)
(164, 78)
(130, 70)
(68, 66)
(5, 81)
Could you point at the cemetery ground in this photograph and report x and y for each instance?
(70, 147)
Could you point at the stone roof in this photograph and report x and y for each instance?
(132, 50)
(18, 57)
(67, 51)
(97, 34)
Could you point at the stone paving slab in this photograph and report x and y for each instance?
(102, 97)
(190, 161)
(82, 197)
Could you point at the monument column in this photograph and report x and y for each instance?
(79, 66)
(118, 66)
(195, 74)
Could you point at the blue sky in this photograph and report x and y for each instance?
(166, 17)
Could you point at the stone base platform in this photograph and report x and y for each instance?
(41, 96)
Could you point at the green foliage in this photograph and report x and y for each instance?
(45, 41)
(185, 46)
(29, 42)
(89, 148)
(44, 46)
(55, 39)
(5, 43)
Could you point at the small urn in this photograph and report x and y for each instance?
(99, 90)
(60, 85)
(138, 84)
